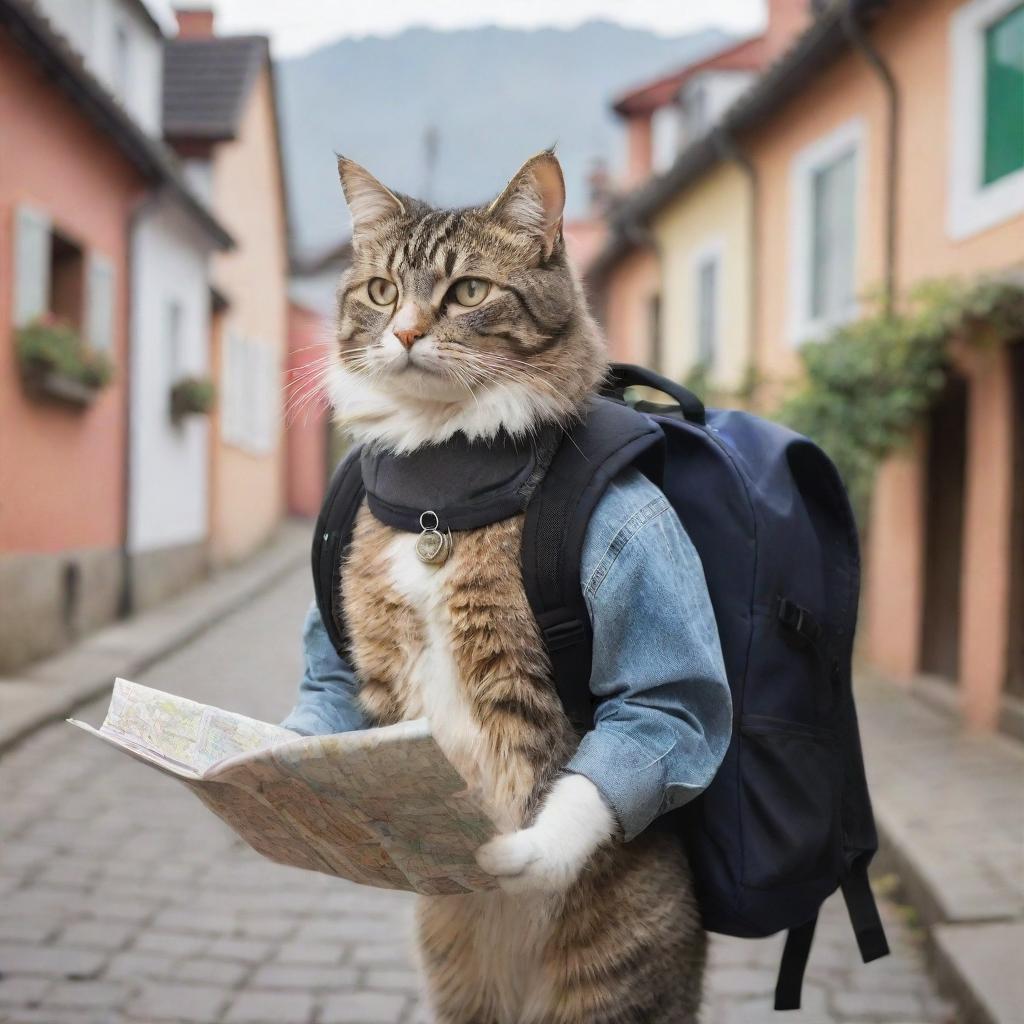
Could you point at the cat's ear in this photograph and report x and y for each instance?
(368, 200)
(534, 199)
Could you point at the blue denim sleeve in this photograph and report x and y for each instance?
(327, 692)
(664, 717)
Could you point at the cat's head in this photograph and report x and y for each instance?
(460, 320)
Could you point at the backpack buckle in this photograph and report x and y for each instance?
(799, 620)
(564, 634)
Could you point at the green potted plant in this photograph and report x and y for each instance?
(192, 395)
(56, 363)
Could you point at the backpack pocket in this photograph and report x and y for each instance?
(789, 801)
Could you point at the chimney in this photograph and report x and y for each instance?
(194, 22)
(599, 184)
(786, 20)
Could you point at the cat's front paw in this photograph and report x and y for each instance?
(527, 861)
(549, 856)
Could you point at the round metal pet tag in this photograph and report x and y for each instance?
(433, 546)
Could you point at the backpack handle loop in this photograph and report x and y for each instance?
(626, 375)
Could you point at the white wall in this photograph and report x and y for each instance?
(91, 27)
(169, 463)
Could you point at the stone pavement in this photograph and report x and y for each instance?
(52, 688)
(123, 900)
(950, 806)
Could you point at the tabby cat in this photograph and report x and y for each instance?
(472, 320)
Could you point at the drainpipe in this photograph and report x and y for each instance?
(729, 149)
(854, 32)
(140, 210)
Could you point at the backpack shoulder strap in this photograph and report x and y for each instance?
(609, 438)
(333, 534)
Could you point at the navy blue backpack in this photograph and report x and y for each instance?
(787, 819)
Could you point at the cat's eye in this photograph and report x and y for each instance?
(470, 291)
(382, 292)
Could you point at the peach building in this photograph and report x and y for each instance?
(886, 147)
(857, 211)
(221, 117)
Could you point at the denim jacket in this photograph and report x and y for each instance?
(664, 715)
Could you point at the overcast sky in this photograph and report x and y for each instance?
(297, 26)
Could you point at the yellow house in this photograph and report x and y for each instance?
(703, 237)
(221, 117)
(678, 244)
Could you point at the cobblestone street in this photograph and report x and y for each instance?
(123, 900)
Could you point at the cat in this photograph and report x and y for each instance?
(472, 320)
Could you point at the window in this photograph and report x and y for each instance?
(986, 154)
(832, 238)
(824, 196)
(251, 394)
(53, 276)
(1004, 96)
(707, 318)
(67, 279)
(665, 138)
(707, 302)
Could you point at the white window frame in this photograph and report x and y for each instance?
(711, 251)
(973, 206)
(806, 163)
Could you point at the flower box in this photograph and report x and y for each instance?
(192, 396)
(57, 365)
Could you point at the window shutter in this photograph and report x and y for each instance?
(99, 303)
(229, 385)
(250, 406)
(271, 406)
(32, 265)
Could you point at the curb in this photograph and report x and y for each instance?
(53, 689)
(981, 995)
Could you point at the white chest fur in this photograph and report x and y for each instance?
(510, 932)
(434, 673)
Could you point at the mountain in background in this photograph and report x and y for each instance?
(493, 97)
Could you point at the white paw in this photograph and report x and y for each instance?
(528, 861)
(549, 856)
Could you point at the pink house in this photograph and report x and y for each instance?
(307, 427)
(75, 170)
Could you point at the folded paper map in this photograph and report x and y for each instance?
(381, 806)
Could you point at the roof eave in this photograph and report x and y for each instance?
(823, 41)
(32, 33)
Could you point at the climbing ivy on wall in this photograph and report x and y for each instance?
(870, 382)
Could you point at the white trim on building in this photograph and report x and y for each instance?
(972, 205)
(808, 166)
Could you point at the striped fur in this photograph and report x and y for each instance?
(458, 642)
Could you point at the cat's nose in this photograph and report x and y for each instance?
(408, 336)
